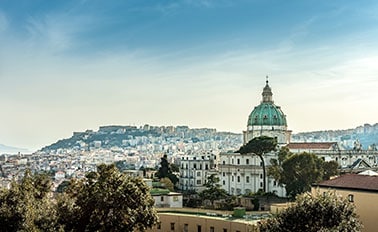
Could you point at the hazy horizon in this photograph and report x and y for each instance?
(75, 65)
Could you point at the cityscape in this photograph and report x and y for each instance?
(198, 154)
(188, 115)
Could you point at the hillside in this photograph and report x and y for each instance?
(367, 135)
(132, 136)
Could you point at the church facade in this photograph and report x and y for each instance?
(243, 173)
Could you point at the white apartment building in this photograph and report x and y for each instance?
(195, 169)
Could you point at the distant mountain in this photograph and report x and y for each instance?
(11, 150)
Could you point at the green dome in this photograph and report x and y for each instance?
(267, 114)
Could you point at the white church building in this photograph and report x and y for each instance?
(243, 173)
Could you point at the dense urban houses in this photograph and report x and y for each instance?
(195, 169)
(243, 173)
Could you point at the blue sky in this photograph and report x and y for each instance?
(74, 65)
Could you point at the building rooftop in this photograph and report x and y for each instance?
(250, 218)
(312, 146)
(352, 181)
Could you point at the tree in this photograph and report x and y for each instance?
(167, 183)
(26, 206)
(63, 186)
(213, 190)
(260, 146)
(107, 200)
(275, 170)
(330, 169)
(165, 170)
(299, 171)
(326, 212)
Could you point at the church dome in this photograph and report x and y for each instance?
(267, 113)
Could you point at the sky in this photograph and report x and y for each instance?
(74, 65)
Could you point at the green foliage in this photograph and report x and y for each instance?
(175, 168)
(213, 190)
(165, 171)
(259, 146)
(63, 186)
(330, 169)
(256, 204)
(107, 200)
(326, 212)
(299, 171)
(167, 183)
(26, 206)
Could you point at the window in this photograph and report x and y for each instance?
(224, 174)
(261, 184)
(238, 161)
(211, 228)
(224, 182)
(198, 181)
(198, 173)
(194, 166)
(172, 226)
(162, 198)
(247, 179)
(350, 198)
(200, 166)
(158, 226)
(186, 226)
(224, 230)
(247, 161)
(232, 161)
(238, 179)
(261, 176)
(232, 178)
(175, 198)
(198, 228)
(224, 162)
(206, 166)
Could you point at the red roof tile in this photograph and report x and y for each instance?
(311, 146)
(352, 181)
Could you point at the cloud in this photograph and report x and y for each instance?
(57, 32)
(3, 22)
(209, 3)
